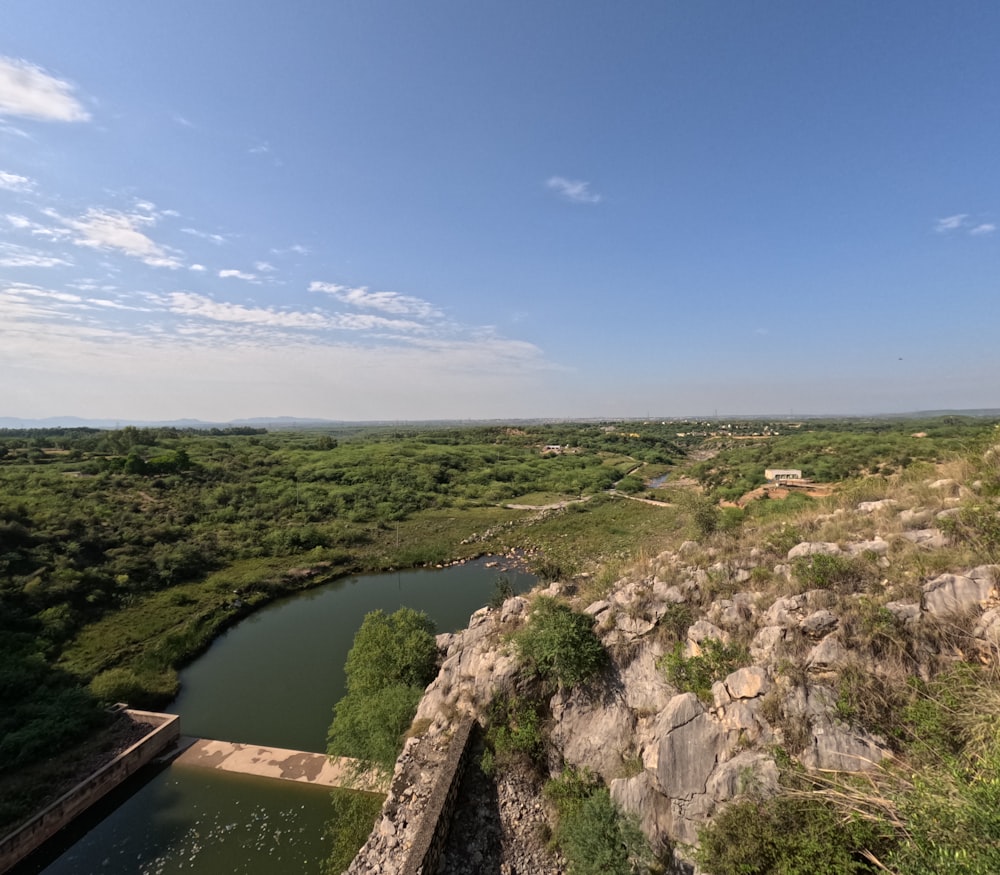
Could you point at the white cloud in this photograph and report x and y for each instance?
(23, 223)
(239, 275)
(198, 268)
(110, 230)
(217, 239)
(962, 222)
(189, 304)
(386, 302)
(951, 223)
(13, 182)
(20, 256)
(28, 91)
(574, 190)
(264, 266)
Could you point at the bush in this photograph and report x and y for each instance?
(594, 835)
(559, 644)
(782, 836)
(696, 674)
(391, 661)
(514, 731)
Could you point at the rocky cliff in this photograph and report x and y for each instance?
(732, 657)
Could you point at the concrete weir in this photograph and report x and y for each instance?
(287, 765)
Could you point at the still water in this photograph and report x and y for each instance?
(272, 680)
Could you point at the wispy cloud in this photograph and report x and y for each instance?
(14, 182)
(217, 239)
(189, 304)
(576, 191)
(198, 268)
(950, 223)
(12, 255)
(27, 91)
(264, 267)
(114, 231)
(963, 222)
(386, 302)
(239, 275)
(192, 305)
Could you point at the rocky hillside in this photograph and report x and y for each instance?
(777, 657)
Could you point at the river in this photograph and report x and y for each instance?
(271, 680)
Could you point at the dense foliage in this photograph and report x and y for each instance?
(559, 645)
(392, 660)
(594, 835)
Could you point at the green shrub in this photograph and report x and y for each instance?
(696, 674)
(780, 836)
(825, 571)
(559, 645)
(117, 685)
(392, 659)
(350, 825)
(514, 731)
(593, 834)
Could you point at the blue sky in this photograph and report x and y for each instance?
(454, 209)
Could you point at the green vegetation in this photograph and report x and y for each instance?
(514, 732)
(786, 835)
(559, 646)
(124, 553)
(696, 674)
(349, 828)
(593, 834)
(392, 660)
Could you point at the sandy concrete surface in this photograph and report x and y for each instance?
(288, 765)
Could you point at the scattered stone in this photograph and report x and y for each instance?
(811, 548)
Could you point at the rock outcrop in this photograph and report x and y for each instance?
(673, 758)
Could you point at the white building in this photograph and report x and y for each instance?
(776, 475)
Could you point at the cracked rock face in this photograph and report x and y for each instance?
(666, 756)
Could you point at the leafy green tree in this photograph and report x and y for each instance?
(393, 658)
(559, 644)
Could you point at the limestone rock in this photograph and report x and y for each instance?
(950, 593)
(690, 746)
(810, 548)
(876, 506)
(746, 771)
(819, 623)
(827, 654)
(747, 683)
(878, 546)
(930, 539)
(765, 643)
(591, 732)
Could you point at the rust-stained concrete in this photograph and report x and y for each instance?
(288, 765)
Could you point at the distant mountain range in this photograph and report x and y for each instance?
(293, 422)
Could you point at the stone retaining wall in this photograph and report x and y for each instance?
(413, 828)
(18, 844)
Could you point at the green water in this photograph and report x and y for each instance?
(271, 680)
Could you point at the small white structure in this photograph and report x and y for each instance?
(776, 475)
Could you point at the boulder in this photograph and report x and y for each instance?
(954, 593)
(746, 772)
(827, 654)
(690, 745)
(747, 683)
(876, 506)
(592, 733)
(811, 548)
(930, 539)
(819, 623)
